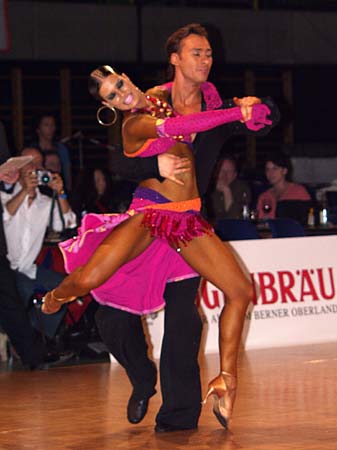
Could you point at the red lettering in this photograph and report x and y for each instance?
(307, 286)
(322, 287)
(287, 281)
(268, 291)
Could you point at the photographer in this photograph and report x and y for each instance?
(27, 213)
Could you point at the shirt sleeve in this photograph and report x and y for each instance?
(134, 169)
(5, 198)
(69, 220)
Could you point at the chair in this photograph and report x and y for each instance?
(282, 228)
(294, 209)
(236, 229)
(331, 197)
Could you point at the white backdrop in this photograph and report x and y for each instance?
(296, 295)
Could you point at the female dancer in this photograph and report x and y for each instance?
(166, 211)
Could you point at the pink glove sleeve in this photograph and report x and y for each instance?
(259, 117)
(182, 126)
(177, 127)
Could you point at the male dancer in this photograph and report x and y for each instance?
(122, 331)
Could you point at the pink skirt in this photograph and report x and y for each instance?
(138, 286)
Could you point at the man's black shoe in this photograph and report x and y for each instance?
(137, 409)
(52, 359)
(165, 428)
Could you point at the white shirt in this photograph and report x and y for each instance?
(25, 230)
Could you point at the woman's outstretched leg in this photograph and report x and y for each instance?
(215, 261)
(124, 243)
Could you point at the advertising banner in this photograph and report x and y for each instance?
(295, 301)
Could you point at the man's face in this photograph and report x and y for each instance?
(100, 182)
(194, 60)
(36, 163)
(47, 127)
(53, 163)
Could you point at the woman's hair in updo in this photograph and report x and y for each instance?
(95, 80)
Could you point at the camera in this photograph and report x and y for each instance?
(43, 176)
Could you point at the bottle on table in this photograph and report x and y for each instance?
(245, 207)
(311, 218)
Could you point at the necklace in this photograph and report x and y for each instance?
(157, 108)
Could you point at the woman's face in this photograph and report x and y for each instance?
(119, 91)
(46, 128)
(100, 182)
(227, 172)
(275, 174)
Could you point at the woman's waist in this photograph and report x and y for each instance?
(172, 190)
(144, 198)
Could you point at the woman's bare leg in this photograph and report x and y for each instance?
(215, 261)
(123, 244)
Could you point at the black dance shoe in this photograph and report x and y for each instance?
(165, 428)
(52, 359)
(137, 408)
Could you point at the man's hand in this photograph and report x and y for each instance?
(29, 180)
(171, 165)
(246, 104)
(10, 177)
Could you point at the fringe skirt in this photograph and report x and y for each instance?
(138, 286)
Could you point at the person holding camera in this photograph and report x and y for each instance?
(27, 215)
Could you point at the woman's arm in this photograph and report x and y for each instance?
(140, 132)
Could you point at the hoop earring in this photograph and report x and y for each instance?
(100, 121)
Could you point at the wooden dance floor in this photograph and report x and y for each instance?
(287, 399)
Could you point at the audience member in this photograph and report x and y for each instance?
(45, 129)
(231, 197)
(94, 193)
(26, 216)
(14, 320)
(52, 162)
(278, 174)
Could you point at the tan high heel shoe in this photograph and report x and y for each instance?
(223, 387)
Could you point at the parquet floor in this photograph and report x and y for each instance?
(287, 399)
